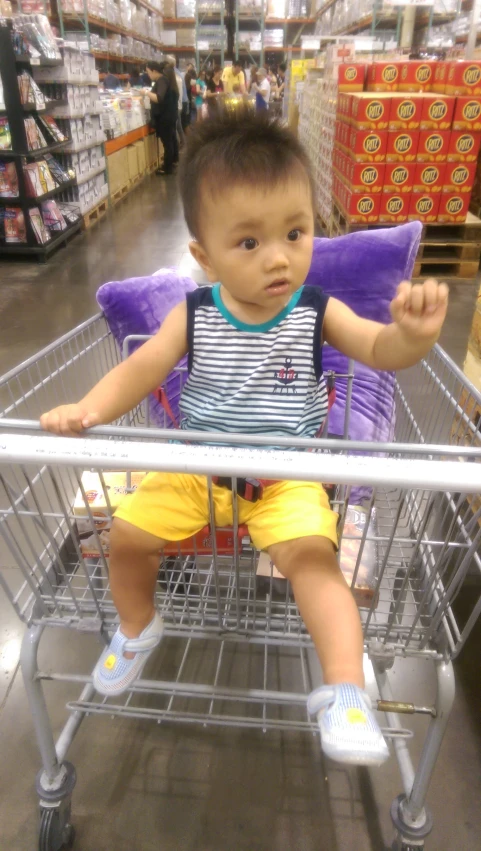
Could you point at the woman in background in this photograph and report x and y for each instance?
(164, 97)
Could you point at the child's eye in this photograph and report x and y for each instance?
(294, 235)
(249, 244)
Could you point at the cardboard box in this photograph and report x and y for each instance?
(142, 165)
(467, 114)
(343, 112)
(133, 161)
(429, 177)
(399, 177)
(383, 76)
(368, 145)
(405, 112)
(423, 207)
(437, 112)
(102, 504)
(453, 207)
(463, 146)
(438, 83)
(369, 112)
(464, 78)
(416, 76)
(342, 135)
(459, 177)
(359, 208)
(402, 146)
(364, 177)
(351, 77)
(394, 207)
(118, 167)
(433, 146)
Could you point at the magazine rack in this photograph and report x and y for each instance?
(10, 66)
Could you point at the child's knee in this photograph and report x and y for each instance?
(294, 557)
(126, 538)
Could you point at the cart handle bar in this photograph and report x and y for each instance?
(204, 460)
(309, 443)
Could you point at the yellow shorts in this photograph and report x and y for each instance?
(174, 506)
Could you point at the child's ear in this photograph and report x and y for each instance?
(200, 254)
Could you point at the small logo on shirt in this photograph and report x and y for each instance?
(285, 378)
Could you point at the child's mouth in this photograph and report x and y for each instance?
(279, 287)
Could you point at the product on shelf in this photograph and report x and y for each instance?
(52, 216)
(463, 146)
(41, 232)
(38, 179)
(399, 178)
(37, 35)
(52, 127)
(58, 173)
(464, 78)
(29, 91)
(459, 177)
(5, 135)
(8, 180)
(394, 207)
(368, 146)
(416, 76)
(453, 207)
(405, 112)
(35, 137)
(352, 77)
(424, 207)
(437, 112)
(13, 225)
(402, 146)
(384, 76)
(70, 214)
(369, 112)
(467, 114)
(2, 96)
(429, 177)
(433, 146)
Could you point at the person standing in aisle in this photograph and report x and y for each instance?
(233, 78)
(164, 96)
(190, 78)
(200, 88)
(183, 103)
(281, 79)
(262, 90)
(214, 87)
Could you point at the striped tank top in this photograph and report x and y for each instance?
(255, 379)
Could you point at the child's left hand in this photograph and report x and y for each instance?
(420, 309)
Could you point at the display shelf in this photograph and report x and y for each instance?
(38, 249)
(37, 153)
(84, 178)
(105, 25)
(83, 146)
(33, 202)
(113, 57)
(179, 21)
(37, 62)
(113, 145)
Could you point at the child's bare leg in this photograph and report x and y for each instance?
(134, 565)
(326, 605)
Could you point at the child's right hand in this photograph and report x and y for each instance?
(68, 420)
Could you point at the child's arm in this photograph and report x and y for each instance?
(418, 313)
(126, 385)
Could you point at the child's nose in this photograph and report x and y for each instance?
(275, 258)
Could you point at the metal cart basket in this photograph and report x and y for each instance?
(421, 534)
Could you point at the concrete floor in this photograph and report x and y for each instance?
(143, 786)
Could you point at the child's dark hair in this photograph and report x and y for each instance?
(233, 148)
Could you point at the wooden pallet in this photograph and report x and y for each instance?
(152, 167)
(134, 182)
(95, 214)
(119, 194)
(446, 269)
(468, 231)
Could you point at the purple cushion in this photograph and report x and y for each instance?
(139, 306)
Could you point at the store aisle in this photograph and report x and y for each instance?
(142, 786)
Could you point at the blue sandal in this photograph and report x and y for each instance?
(113, 673)
(349, 730)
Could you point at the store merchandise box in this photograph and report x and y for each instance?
(416, 76)
(369, 111)
(394, 207)
(359, 207)
(364, 177)
(405, 113)
(464, 78)
(459, 177)
(433, 146)
(429, 177)
(399, 177)
(463, 146)
(343, 109)
(437, 112)
(402, 146)
(142, 164)
(383, 76)
(424, 207)
(368, 145)
(453, 207)
(133, 162)
(118, 166)
(467, 114)
(342, 134)
(351, 77)
(102, 502)
(438, 83)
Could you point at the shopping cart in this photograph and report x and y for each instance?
(422, 530)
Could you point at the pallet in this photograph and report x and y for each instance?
(134, 182)
(152, 167)
(95, 214)
(440, 232)
(447, 269)
(119, 194)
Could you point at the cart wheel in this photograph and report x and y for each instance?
(56, 834)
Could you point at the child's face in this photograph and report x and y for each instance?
(258, 242)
